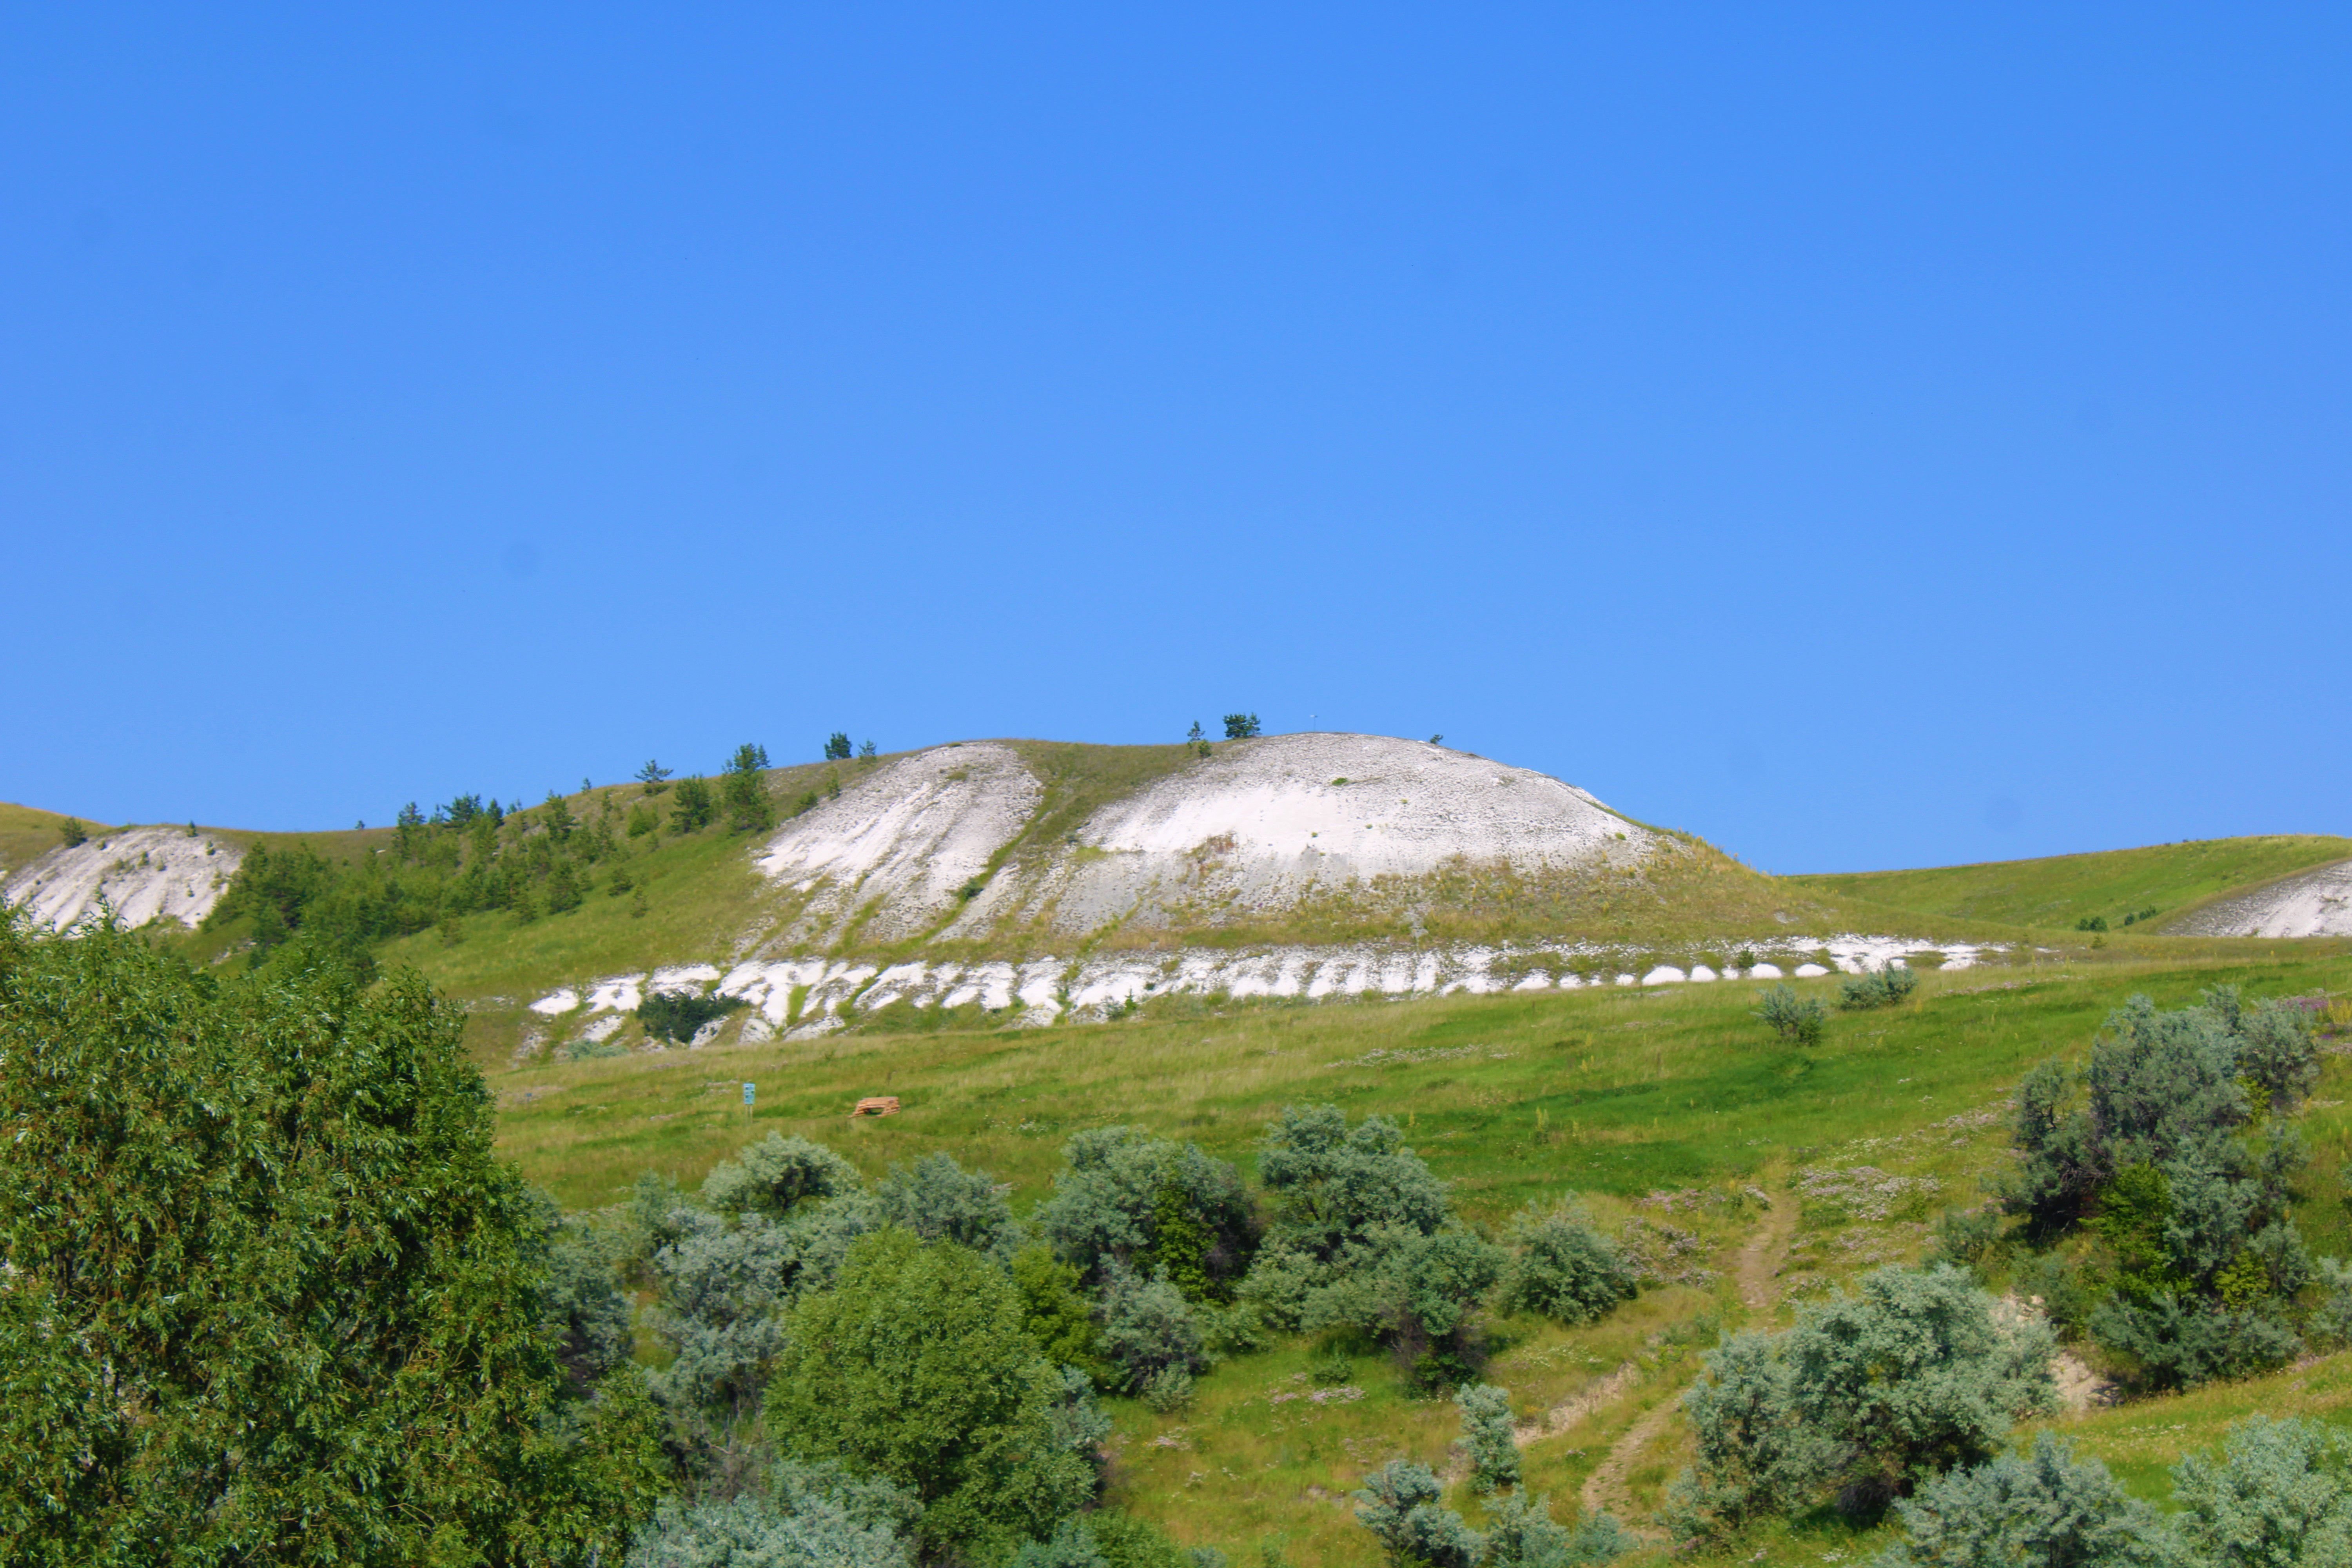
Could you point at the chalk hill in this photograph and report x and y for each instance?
(943, 843)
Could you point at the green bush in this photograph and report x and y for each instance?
(2092, 922)
(813, 1516)
(1882, 987)
(2147, 1147)
(1055, 1312)
(1791, 1016)
(1866, 1395)
(1127, 1197)
(2045, 1507)
(1399, 1504)
(1148, 1327)
(72, 834)
(939, 1200)
(1487, 1437)
(1521, 1534)
(776, 1176)
(2279, 1493)
(1564, 1268)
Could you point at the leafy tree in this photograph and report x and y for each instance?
(1127, 1196)
(1486, 1434)
(408, 831)
(836, 746)
(745, 791)
(865, 752)
(1791, 1016)
(1241, 726)
(272, 1297)
(916, 1367)
(654, 776)
(2278, 1496)
(696, 808)
(1399, 1504)
(556, 813)
(2045, 1508)
(73, 832)
(1564, 1270)
(1071, 1545)
(1194, 736)
(1055, 1312)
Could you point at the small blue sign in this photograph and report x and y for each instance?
(749, 1090)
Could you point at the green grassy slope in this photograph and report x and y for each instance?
(27, 833)
(1622, 1094)
(2055, 893)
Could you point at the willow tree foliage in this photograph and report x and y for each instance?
(269, 1298)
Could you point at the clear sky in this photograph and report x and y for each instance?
(1887, 436)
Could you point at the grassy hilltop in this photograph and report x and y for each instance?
(2059, 891)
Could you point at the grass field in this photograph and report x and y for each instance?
(2055, 893)
(1662, 1105)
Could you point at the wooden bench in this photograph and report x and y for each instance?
(876, 1105)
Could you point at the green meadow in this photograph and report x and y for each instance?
(1754, 1174)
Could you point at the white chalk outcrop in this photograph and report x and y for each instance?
(144, 874)
(1251, 828)
(1257, 827)
(801, 997)
(2317, 903)
(905, 841)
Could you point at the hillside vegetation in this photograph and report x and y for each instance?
(2156, 883)
(1748, 1175)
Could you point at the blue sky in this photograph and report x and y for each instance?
(1867, 436)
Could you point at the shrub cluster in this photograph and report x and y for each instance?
(2170, 1155)
(1882, 987)
(2279, 1492)
(1791, 1016)
(1865, 1397)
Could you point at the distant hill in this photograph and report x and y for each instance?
(2169, 879)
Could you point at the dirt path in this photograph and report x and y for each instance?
(1756, 1273)
(1760, 1259)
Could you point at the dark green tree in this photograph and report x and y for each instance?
(836, 746)
(1241, 726)
(917, 1367)
(272, 1299)
(745, 793)
(73, 832)
(654, 776)
(697, 806)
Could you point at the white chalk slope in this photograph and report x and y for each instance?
(144, 873)
(908, 838)
(2309, 903)
(1252, 827)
